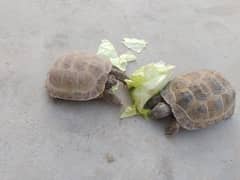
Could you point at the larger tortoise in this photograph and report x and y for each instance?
(82, 76)
(196, 100)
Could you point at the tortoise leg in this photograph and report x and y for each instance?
(119, 75)
(110, 97)
(173, 128)
(161, 110)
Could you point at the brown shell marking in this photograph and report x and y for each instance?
(199, 99)
(78, 76)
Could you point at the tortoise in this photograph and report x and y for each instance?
(195, 100)
(81, 76)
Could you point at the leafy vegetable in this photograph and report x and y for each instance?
(107, 49)
(128, 57)
(128, 112)
(125, 59)
(144, 83)
(136, 45)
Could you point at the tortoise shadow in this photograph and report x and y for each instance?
(212, 130)
(80, 117)
(74, 116)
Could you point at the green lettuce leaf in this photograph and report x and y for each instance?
(136, 45)
(144, 83)
(125, 58)
(107, 49)
(128, 112)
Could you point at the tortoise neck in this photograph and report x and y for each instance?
(119, 74)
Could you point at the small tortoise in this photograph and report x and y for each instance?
(81, 76)
(196, 100)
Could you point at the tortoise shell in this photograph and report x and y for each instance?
(199, 99)
(78, 76)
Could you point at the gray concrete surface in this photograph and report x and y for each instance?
(45, 140)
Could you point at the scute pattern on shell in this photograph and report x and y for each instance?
(78, 76)
(199, 99)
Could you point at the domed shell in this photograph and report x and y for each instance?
(78, 76)
(199, 99)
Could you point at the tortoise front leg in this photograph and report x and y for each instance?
(110, 97)
(173, 128)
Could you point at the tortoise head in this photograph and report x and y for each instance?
(161, 110)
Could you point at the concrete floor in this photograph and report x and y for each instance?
(45, 140)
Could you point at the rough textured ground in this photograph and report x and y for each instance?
(45, 140)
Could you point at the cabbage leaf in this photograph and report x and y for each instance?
(144, 83)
